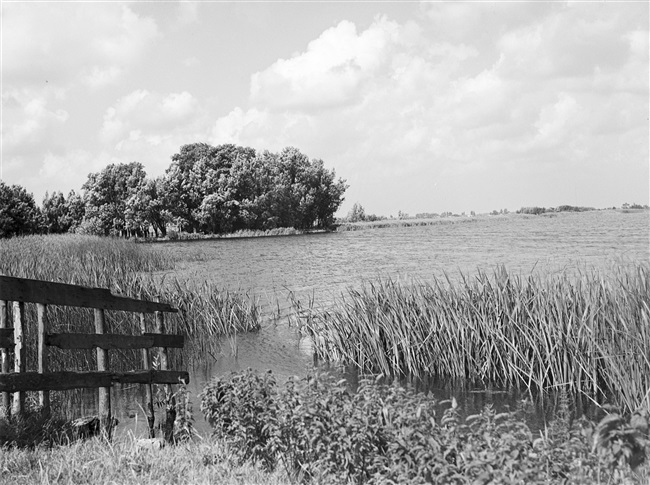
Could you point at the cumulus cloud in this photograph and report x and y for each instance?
(330, 73)
(97, 43)
(419, 115)
(540, 84)
(153, 113)
(188, 13)
(29, 117)
(150, 126)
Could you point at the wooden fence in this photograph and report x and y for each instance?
(15, 292)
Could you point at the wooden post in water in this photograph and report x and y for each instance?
(19, 354)
(44, 396)
(5, 401)
(149, 410)
(104, 410)
(170, 400)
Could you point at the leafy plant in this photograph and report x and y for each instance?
(242, 409)
(321, 431)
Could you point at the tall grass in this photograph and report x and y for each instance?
(126, 268)
(587, 333)
(387, 223)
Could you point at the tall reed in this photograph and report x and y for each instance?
(588, 333)
(128, 269)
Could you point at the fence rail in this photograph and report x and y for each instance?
(15, 292)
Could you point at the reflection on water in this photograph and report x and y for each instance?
(321, 267)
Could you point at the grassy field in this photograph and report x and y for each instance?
(588, 334)
(125, 461)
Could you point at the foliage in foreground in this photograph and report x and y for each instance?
(125, 461)
(319, 431)
(588, 333)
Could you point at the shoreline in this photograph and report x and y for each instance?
(366, 225)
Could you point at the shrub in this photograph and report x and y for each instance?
(242, 410)
(321, 431)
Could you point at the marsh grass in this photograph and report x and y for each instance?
(129, 269)
(587, 333)
(391, 223)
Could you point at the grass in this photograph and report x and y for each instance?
(173, 235)
(386, 223)
(586, 333)
(124, 461)
(315, 430)
(126, 268)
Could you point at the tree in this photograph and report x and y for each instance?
(19, 214)
(54, 209)
(109, 198)
(147, 207)
(194, 174)
(61, 215)
(357, 213)
(74, 214)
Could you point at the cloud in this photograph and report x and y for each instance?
(29, 117)
(98, 42)
(429, 103)
(191, 61)
(330, 73)
(188, 13)
(150, 126)
(147, 112)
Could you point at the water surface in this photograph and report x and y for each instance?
(321, 267)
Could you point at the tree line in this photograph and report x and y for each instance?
(210, 189)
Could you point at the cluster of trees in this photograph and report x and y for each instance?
(358, 214)
(561, 208)
(212, 189)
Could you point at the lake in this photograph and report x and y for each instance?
(318, 268)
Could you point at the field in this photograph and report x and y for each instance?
(587, 336)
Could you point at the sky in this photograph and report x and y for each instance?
(419, 106)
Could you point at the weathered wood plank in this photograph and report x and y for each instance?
(167, 340)
(104, 405)
(112, 341)
(52, 293)
(146, 365)
(61, 381)
(6, 337)
(43, 396)
(5, 399)
(20, 354)
(151, 377)
(170, 399)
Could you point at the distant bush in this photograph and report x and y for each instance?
(532, 210)
(320, 430)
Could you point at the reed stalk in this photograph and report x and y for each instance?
(129, 269)
(587, 333)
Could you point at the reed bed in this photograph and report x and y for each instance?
(129, 269)
(587, 332)
(392, 223)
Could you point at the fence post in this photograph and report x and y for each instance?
(104, 408)
(170, 400)
(44, 396)
(149, 410)
(19, 353)
(5, 402)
